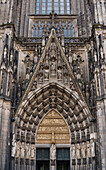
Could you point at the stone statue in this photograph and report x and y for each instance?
(40, 77)
(32, 151)
(93, 149)
(83, 150)
(60, 74)
(14, 149)
(53, 68)
(73, 151)
(22, 150)
(78, 151)
(14, 146)
(46, 74)
(53, 152)
(88, 149)
(27, 151)
(18, 150)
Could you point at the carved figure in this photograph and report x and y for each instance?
(60, 74)
(40, 77)
(27, 151)
(22, 150)
(46, 74)
(18, 151)
(53, 152)
(88, 149)
(83, 149)
(93, 149)
(78, 151)
(73, 151)
(53, 68)
(33, 152)
(14, 149)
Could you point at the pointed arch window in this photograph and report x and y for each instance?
(46, 6)
(49, 6)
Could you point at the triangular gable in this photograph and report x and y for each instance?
(53, 67)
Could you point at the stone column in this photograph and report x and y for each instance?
(30, 33)
(5, 130)
(1, 105)
(101, 124)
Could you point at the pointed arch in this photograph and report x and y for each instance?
(53, 96)
(67, 71)
(53, 129)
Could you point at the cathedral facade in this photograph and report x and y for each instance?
(52, 84)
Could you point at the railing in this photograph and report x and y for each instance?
(75, 40)
(30, 40)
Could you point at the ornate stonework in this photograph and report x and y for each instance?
(53, 123)
(52, 83)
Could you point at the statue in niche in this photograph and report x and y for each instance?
(78, 151)
(65, 79)
(22, 150)
(40, 74)
(93, 149)
(32, 151)
(14, 149)
(40, 77)
(53, 68)
(13, 146)
(73, 152)
(83, 150)
(27, 151)
(88, 149)
(59, 74)
(46, 74)
(53, 152)
(17, 151)
(27, 73)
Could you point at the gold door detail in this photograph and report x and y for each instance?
(53, 129)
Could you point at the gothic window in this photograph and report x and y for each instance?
(43, 7)
(37, 6)
(62, 7)
(46, 6)
(56, 6)
(68, 7)
(49, 6)
(65, 28)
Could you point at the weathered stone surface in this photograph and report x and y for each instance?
(54, 63)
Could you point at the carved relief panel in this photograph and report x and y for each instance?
(53, 129)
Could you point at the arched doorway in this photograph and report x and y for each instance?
(32, 119)
(53, 143)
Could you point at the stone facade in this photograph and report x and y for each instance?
(52, 84)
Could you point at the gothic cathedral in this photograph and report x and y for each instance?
(52, 85)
